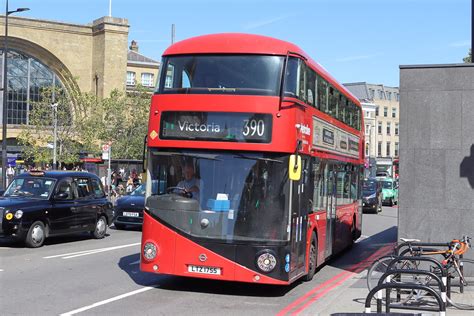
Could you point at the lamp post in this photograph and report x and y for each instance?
(54, 106)
(5, 95)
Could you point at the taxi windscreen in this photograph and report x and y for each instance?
(38, 188)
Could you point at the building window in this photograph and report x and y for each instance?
(394, 112)
(367, 147)
(396, 128)
(396, 150)
(397, 96)
(389, 126)
(372, 93)
(377, 111)
(130, 78)
(147, 79)
(367, 114)
(381, 95)
(367, 129)
(27, 77)
(379, 127)
(389, 95)
(385, 111)
(379, 149)
(388, 149)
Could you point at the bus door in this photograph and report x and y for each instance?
(330, 177)
(301, 206)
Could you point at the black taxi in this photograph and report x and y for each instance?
(39, 204)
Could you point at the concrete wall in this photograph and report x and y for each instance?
(437, 152)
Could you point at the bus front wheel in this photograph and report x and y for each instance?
(313, 258)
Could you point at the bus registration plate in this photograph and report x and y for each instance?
(204, 270)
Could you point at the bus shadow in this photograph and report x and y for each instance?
(130, 265)
(361, 254)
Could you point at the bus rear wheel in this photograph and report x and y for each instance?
(313, 258)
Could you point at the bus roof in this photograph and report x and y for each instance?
(240, 43)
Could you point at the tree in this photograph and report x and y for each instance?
(84, 123)
(126, 119)
(468, 58)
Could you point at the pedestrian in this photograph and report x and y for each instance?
(10, 174)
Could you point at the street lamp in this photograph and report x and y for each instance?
(5, 95)
(54, 106)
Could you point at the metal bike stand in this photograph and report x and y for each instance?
(401, 286)
(444, 271)
(386, 277)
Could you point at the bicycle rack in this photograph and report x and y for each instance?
(386, 277)
(444, 272)
(399, 286)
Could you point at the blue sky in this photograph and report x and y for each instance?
(355, 40)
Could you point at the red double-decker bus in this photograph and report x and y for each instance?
(254, 163)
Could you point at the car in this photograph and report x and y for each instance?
(389, 191)
(40, 204)
(371, 195)
(128, 210)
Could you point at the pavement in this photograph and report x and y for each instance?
(345, 293)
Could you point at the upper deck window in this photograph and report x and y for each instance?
(222, 74)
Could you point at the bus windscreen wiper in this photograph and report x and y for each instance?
(222, 89)
(257, 158)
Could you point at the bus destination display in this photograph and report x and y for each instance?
(217, 126)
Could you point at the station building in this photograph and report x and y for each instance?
(93, 58)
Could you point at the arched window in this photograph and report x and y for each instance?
(26, 77)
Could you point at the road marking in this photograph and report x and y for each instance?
(89, 252)
(113, 299)
(324, 288)
(1, 270)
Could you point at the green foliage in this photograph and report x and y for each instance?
(468, 58)
(84, 123)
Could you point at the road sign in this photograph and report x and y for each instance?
(105, 147)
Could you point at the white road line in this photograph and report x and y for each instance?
(116, 298)
(1, 270)
(89, 252)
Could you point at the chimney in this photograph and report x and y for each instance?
(134, 46)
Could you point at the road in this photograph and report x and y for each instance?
(79, 275)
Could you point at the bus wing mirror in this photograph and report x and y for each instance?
(295, 168)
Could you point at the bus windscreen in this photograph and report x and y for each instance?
(221, 74)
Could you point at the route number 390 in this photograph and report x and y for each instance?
(254, 127)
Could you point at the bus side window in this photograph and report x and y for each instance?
(319, 181)
(332, 102)
(311, 86)
(301, 90)
(291, 79)
(323, 95)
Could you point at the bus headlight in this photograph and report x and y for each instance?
(266, 262)
(149, 251)
(18, 214)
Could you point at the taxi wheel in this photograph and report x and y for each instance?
(313, 258)
(100, 228)
(36, 235)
